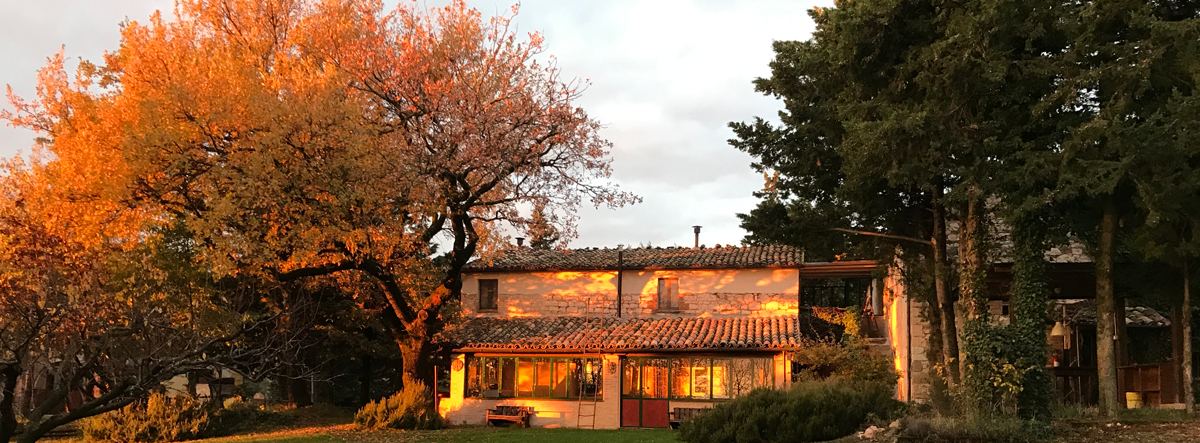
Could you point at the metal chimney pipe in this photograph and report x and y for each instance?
(696, 229)
(520, 241)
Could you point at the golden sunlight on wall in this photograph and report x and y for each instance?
(895, 302)
(704, 293)
(460, 410)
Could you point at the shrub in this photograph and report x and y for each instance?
(810, 411)
(159, 419)
(992, 429)
(238, 416)
(411, 408)
(848, 360)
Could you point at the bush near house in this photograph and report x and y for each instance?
(164, 419)
(411, 408)
(160, 419)
(809, 411)
(846, 360)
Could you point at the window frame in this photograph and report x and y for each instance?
(768, 381)
(672, 298)
(495, 295)
(575, 367)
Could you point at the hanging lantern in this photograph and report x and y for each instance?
(1060, 335)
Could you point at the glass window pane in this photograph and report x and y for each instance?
(474, 388)
(654, 378)
(560, 378)
(543, 372)
(525, 377)
(630, 380)
(741, 375)
(576, 377)
(591, 377)
(491, 377)
(508, 377)
(720, 379)
(762, 373)
(681, 378)
(699, 368)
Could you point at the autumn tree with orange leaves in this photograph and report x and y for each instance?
(306, 139)
(96, 325)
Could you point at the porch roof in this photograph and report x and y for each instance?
(1083, 311)
(578, 334)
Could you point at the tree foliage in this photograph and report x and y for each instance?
(906, 117)
(298, 140)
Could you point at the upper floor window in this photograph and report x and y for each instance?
(668, 295)
(488, 290)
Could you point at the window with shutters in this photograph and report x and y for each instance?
(668, 295)
(488, 290)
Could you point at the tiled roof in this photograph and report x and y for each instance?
(551, 334)
(529, 259)
(1084, 312)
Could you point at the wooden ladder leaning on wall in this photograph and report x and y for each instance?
(585, 411)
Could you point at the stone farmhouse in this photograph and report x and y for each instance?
(641, 337)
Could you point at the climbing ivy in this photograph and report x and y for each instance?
(1005, 365)
(1029, 297)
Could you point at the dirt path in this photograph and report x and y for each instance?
(1091, 432)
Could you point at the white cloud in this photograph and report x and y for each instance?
(666, 78)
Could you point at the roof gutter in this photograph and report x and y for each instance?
(620, 350)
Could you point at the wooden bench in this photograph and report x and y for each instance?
(680, 415)
(510, 414)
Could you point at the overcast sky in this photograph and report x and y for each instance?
(666, 78)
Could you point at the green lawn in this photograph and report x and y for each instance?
(343, 434)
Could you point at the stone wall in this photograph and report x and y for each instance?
(702, 293)
(921, 368)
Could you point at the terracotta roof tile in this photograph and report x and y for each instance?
(529, 259)
(547, 334)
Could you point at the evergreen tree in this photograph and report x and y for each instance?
(1128, 60)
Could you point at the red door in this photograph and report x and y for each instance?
(654, 414)
(644, 413)
(631, 412)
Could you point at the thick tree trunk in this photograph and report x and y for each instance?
(8, 392)
(1122, 343)
(1106, 318)
(941, 288)
(1189, 398)
(298, 390)
(417, 365)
